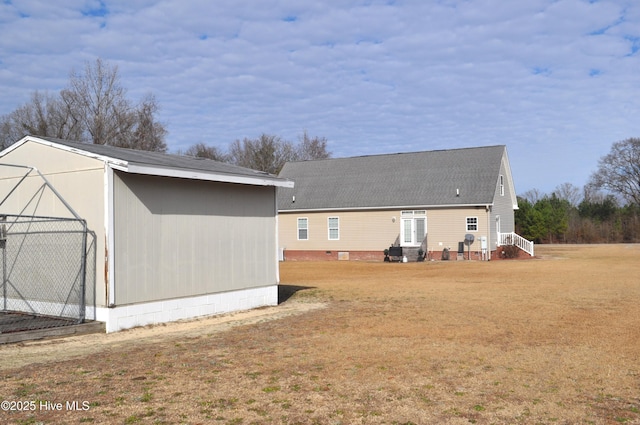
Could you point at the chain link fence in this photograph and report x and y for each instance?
(47, 267)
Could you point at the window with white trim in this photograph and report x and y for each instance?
(501, 185)
(303, 229)
(472, 224)
(333, 224)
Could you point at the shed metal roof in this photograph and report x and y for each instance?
(161, 164)
(455, 177)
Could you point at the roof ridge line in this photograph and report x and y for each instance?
(399, 153)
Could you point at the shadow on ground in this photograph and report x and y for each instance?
(287, 291)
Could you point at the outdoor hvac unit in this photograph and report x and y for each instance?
(468, 240)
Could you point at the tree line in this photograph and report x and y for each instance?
(266, 153)
(602, 219)
(94, 108)
(606, 210)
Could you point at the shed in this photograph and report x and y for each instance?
(175, 237)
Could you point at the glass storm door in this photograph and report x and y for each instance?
(420, 226)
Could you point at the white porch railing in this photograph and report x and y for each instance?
(517, 240)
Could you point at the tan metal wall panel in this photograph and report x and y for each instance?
(78, 179)
(179, 238)
(50, 160)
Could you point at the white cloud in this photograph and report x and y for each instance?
(556, 81)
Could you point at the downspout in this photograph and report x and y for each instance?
(275, 206)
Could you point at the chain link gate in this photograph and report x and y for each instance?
(47, 268)
(44, 274)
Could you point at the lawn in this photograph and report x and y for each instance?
(551, 340)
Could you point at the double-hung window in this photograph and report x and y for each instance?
(303, 229)
(472, 224)
(333, 225)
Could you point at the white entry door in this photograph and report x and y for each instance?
(413, 227)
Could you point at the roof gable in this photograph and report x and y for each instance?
(160, 164)
(418, 179)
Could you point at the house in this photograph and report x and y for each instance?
(175, 237)
(354, 208)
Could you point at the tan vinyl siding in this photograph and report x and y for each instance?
(358, 230)
(78, 179)
(447, 227)
(377, 230)
(503, 205)
(178, 238)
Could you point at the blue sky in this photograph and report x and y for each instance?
(557, 81)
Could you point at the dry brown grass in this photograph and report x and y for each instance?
(554, 340)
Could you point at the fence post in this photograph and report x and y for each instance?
(83, 271)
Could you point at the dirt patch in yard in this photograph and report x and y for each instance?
(540, 341)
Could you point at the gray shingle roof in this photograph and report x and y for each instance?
(396, 180)
(157, 159)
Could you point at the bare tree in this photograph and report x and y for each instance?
(312, 148)
(592, 194)
(44, 115)
(146, 134)
(7, 132)
(93, 108)
(267, 153)
(201, 150)
(98, 100)
(570, 193)
(533, 196)
(619, 171)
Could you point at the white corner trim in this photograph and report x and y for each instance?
(109, 231)
(130, 316)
